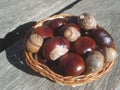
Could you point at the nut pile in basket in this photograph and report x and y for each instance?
(72, 46)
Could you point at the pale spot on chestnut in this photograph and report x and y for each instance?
(72, 34)
(58, 51)
(34, 42)
(82, 16)
(95, 62)
(110, 54)
(87, 21)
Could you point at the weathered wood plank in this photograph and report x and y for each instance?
(14, 75)
(16, 12)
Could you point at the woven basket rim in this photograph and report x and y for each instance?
(64, 80)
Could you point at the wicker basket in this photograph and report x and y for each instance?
(64, 80)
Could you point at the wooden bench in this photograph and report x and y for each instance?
(17, 16)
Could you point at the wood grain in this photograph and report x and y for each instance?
(16, 12)
(16, 75)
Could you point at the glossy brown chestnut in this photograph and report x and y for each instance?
(56, 23)
(84, 44)
(70, 25)
(40, 57)
(72, 64)
(55, 48)
(102, 38)
(44, 32)
(72, 19)
(41, 60)
(60, 31)
(54, 66)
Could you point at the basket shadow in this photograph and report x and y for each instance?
(15, 35)
(15, 53)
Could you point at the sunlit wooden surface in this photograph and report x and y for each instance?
(17, 15)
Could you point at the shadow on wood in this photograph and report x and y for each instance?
(15, 35)
(15, 53)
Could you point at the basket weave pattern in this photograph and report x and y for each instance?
(64, 80)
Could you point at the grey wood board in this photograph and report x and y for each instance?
(14, 75)
(16, 12)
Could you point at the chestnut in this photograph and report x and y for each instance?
(71, 32)
(95, 62)
(69, 28)
(87, 21)
(72, 64)
(39, 56)
(110, 54)
(102, 38)
(54, 66)
(72, 19)
(56, 23)
(44, 32)
(55, 48)
(43, 61)
(83, 45)
(34, 43)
